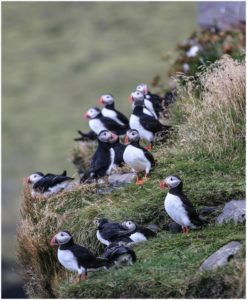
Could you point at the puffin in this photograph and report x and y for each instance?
(139, 96)
(138, 158)
(97, 122)
(146, 125)
(103, 159)
(140, 233)
(153, 102)
(74, 257)
(110, 232)
(48, 184)
(109, 110)
(177, 205)
(119, 255)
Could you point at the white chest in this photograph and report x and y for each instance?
(136, 159)
(68, 260)
(109, 113)
(112, 153)
(149, 106)
(135, 124)
(175, 209)
(96, 125)
(138, 237)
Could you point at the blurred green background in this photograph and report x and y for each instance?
(57, 59)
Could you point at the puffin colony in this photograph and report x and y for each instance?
(109, 127)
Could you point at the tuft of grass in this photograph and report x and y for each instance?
(212, 106)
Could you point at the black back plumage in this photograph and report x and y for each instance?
(114, 232)
(83, 256)
(192, 214)
(120, 115)
(119, 150)
(50, 180)
(149, 123)
(100, 161)
(113, 251)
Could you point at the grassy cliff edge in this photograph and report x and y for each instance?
(208, 152)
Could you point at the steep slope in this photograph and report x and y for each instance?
(168, 265)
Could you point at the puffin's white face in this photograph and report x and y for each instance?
(132, 135)
(129, 225)
(137, 95)
(170, 181)
(92, 113)
(33, 178)
(60, 238)
(107, 99)
(142, 88)
(107, 136)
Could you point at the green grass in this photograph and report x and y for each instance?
(57, 59)
(166, 265)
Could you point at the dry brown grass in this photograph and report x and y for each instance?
(214, 122)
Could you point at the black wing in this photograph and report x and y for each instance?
(113, 231)
(150, 123)
(114, 251)
(149, 156)
(193, 216)
(49, 180)
(114, 126)
(85, 258)
(146, 231)
(119, 150)
(122, 117)
(91, 135)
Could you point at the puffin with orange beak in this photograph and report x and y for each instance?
(103, 159)
(48, 184)
(97, 122)
(109, 110)
(138, 158)
(74, 257)
(177, 205)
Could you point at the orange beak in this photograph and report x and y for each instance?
(100, 101)
(53, 241)
(85, 116)
(163, 184)
(114, 136)
(130, 99)
(126, 140)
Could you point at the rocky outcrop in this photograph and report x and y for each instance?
(221, 256)
(232, 211)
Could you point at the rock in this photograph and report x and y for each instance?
(232, 211)
(104, 191)
(221, 256)
(120, 179)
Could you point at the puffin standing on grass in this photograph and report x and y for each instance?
(139, 96)
(152, 102)
(140, 233)
(138, 158)
(110, 232)
(146, 125)
(177, 205)
(48, 184)
(109, 110)
(97, 122)
(74, 257)
(103, 159)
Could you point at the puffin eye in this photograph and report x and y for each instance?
(62, 234)
(171, 179)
